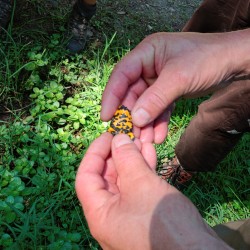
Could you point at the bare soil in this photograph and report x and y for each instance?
(155, 13)
(139, 16)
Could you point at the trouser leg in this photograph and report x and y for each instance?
(5, 12)
(216, 129)
(83, 11)
(236, 234)
(207, 140)
(219, 16)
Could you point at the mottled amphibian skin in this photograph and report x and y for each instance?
(121, 122)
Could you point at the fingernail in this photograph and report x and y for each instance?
(121, 139)
(141, 117)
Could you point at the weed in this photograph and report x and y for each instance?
(49, 114)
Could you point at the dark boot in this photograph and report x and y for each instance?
(5, 12)
(78, 25)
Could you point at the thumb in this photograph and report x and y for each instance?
(156, 99)
(128, 160)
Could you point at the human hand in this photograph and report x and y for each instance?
(166, 66)
(127, 206)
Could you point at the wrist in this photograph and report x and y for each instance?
(238, 47)
(199, 240)
(187, 231)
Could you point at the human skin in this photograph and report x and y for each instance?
(167, 66)
(127, 206)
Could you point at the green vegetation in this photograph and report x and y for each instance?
(49, 114)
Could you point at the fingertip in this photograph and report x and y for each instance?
(110, 103)
(161, 125)
(99, 149)
(104, 116)
(106, 112)
(160, 136)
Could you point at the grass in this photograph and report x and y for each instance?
(49, 114)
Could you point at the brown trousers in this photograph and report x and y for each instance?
(221, 120)
(236, 234)
(216, 129)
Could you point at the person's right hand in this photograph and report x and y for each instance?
(127, 206)
(166, 66)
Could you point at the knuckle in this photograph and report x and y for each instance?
(181, 77)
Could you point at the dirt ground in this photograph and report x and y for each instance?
(171, 13)
(142, 16)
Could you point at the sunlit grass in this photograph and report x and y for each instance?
(50, 113)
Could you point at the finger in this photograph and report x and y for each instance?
(110, 177)
(138, 144)
(128, 71)
(161, 125)
(133, 93)
(147, 133)
(128, 160)
(149, 154)
(157, 98)
(90, 185)
(136, 131)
